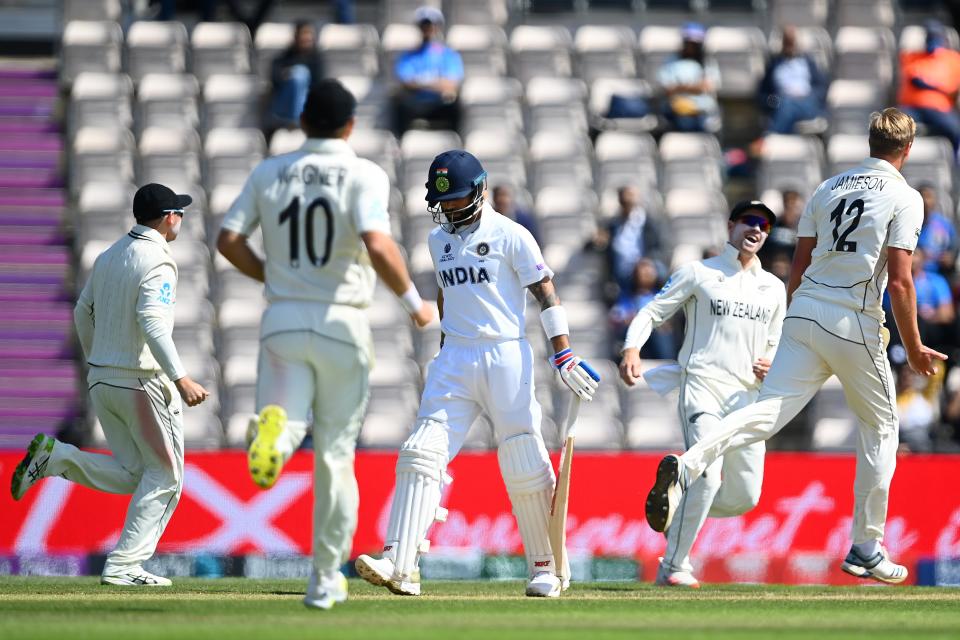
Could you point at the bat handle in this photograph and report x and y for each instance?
(569, 427)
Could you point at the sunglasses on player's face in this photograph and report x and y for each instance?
(179, 212)
(755, 221)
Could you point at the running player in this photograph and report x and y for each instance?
(124, 320)
(734, 312)
(326, 235)
(857, 227)
(485, 264)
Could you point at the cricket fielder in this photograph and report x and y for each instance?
(326, 235)
(858, 227)
(124, 320)
(734, 312)
(485, 264)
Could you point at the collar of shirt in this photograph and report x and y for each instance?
(336, 146)
(151, 234)
(732, 255)
(878, 164)
(485, 212)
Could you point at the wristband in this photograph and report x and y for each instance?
(411, 300)
(554, 321)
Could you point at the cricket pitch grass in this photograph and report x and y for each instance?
(230, 609)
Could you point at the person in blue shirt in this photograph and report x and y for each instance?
(430, 77)
(505, 204)
(938, 236)
(936, 313)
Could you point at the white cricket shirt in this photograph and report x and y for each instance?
(855, 216)
(484, 277)
(734, 315)
(312, 205)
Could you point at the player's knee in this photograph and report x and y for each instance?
(525, 465)
(425, 451)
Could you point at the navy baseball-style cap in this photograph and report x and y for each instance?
(753, 205)
(153, 200)
(453, 174)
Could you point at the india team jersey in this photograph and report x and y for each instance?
(733, 316)
(312, 205)
(855, 216)
(484, 277)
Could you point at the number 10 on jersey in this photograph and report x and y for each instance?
(292, 216)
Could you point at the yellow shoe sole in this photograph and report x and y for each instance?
(263, 458)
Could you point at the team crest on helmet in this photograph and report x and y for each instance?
(442, 183)
(483, 248)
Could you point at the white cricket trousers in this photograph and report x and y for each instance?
(811, 349)
(305, 373)
(144, 430)
(731, 485)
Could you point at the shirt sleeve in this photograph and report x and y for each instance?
(453, 67)
(244, 214)
(667, 302)
(807, 226)
(155, 316)
(527, 259)
(371, 199)
(404, 69)
(83, 316)
(776, 323)
(905, 226)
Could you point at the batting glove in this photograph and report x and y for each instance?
(577, 374)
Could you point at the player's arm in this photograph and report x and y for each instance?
(762, 364)
(242, 218)
(575, 372)
(802, 255)
(389, 265)
(155, 316)
(440, 311)
(667, 302)
(235, 248)
(83, 318)
(903, 301)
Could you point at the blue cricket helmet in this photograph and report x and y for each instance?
(454, 174)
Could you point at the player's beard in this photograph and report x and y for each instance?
(175, 230)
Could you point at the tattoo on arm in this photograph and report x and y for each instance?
(545, 293)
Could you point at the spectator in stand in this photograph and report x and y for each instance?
(918, 408)
(633, 235)
(430, 77)
(505, 204)
(929, 81)
(293, 72)
(646, 284)
(793, 88)
(935, 309)
(690, 84)
(938, 236)
(783, 236)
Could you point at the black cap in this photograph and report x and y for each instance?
(753, 205)
(329, 106)
(151, 200)
(453, 174)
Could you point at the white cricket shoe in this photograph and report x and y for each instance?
(324, 591)
(544, 585)
(667, 578)
(380, 573)
(33, 465)
(665, 495)
(263, 459)
(134, 577)
(877, 567)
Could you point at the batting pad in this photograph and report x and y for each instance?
(529, 479)
(416, 499)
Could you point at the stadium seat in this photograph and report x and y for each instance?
(913, 38)
(220, 48)
(803, 13)
(231, 101)
(864, 53)
(478, 12)
(168, 100)
(91, 10)
(865, 13)
(601, 92)
(100, 99)
(931, 161)
(626, 158)
(850, 103)
(690, 159)
(502, 155)
(560, 159)
(372, 101)
(567, 216)
(350, 49)
(697, 216)
(231, 154)
(739, 53)
(537, 50)
(378, 146)
(402, 11)
(156, 47)
(491, 103)
(656, 45)
(89, 46)
(792, 161)
(556, 104)
(605, 52)
(169, 156)
(397, 38)
(286, 140)
(483, 48)
(272, 39)
(814, 41)
(101, 154)
(418, 149)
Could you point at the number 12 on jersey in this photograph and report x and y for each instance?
(840, 242)
(292, 216)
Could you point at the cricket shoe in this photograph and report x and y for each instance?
(263, 458)
(665, 495)
(33, 465)
(134, 577)
(667, 578)
(380, 573)
(324, 591)
(544, 585)
(877, 567)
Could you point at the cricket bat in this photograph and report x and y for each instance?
(557, 529)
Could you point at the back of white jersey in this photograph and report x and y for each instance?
(855, 216)
(312, 205)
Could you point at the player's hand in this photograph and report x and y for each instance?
(761, 367)
(577, 374)
(423, 316)
(922, 360)
(630, 366)
(192, 392)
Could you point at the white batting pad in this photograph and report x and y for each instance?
(529, 478)
(416, 499)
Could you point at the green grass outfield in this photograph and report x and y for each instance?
(229, 609)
